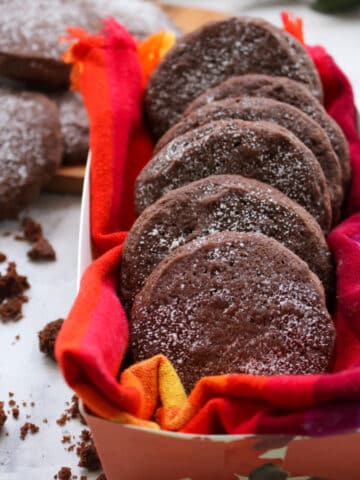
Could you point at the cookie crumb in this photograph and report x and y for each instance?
(62, 420)
(66, 439)
(74, 409)
(71, 412)
(11, 394)
(3, 416)
(19, 238)
(47, 337)
(15, 413)
(42, 250)
(12, 403)
(12, 284)
(101, 477)
(11, 309)
(2, 257)
(16, 339)
(64, 473)
(89, 458)
(85, 436)
(26, 428)
(32, 229)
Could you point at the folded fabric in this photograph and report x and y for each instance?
(110, 73)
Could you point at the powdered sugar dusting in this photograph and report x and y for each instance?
(216, 204)
(243, 310)
(253, 149)
(17, 140)
(284, 90)
(34, 29)
(218, 51)
(28, 130)
(140, 17)
(280, 113)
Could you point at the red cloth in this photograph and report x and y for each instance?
(339, 103)
(92, 342)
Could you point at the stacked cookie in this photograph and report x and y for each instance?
(51, 127)
(227, 269)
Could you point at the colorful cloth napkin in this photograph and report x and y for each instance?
(110, 72)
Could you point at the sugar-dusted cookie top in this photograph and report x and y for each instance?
(30, 49)
(233, 303)
(215, 52)
(284, 90)
(260, 150)
(217, 204)
(30, 148)
(284, 114)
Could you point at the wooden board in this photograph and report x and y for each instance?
(70, 179)
(190, 18)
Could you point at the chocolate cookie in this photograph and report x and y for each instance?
(29, 40)
(29, 37)
(217, 204)
(30, 148)
(214, 53)
(253, 109)
(10, 84)
(74, 126)
(260, 150)
(233, 303)
(284, 90)
(73, 120)
(140, 17)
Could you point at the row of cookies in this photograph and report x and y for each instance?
(206, 68)
(225, 268)
(42, 124)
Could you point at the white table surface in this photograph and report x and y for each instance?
(23, 369)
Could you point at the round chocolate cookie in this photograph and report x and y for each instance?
(217, 204)
(284, 114)
(74, 126)
(30, 148)
(73, 120)
(215, 52)
(260, 150)
(29, 39)
(29, 35)
(233, 303)
(287, 91)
